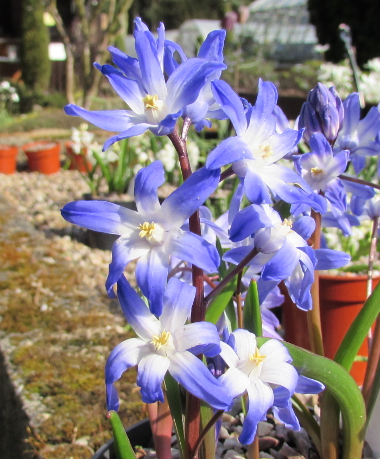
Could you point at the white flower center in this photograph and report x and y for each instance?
(160, 340)
(153, 232)
(316, 171)
(267, 151)
(152, 102)
(257, 357)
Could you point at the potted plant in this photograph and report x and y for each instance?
(8, 159)
(43, 156)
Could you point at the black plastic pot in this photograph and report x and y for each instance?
(139, 434)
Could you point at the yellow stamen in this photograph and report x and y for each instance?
(257, 357)
(160, 340)
(147, 230)
(287, 222)
(267, 151)
(316, 170)
(152, 102)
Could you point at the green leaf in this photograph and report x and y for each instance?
(344, 390)
(220, 302)
(358, 330)
(251, 312)
(123, 447)
(174, 399)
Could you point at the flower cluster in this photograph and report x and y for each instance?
(269, 234)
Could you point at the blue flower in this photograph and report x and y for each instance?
(320, 169)
(153, 102)
(283, 252)
(257, 372)
(164, 345)
(322, 112)
(360, 137)
(256, 148)
(153, 233)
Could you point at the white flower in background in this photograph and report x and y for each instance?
(81, 138)
(167, 155)
(194, 153)
(339, 76)
(107, 157)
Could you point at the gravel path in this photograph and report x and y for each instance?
(57, 325)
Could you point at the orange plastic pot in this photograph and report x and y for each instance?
(43, 156)
(78, 161)
(8, 159)
(341, 298)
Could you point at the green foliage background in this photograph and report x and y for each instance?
(35, 63)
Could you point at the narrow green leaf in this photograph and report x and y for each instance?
(231, 315)
(358, 330)
(252, 312)
(208, 444)
(174, 399)
(342, 387)
(220, 302)
(123, 447)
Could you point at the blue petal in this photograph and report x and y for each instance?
(212, 48)
(128, 90)
(178, 301)
(151, 275)
(150, 375)
(236, 255)
(187, 80)
(304, 226)
(198, 338)
(186, 199)
(308, 386)
(231, 105)
(196, 250)
(266, 98)
(255, 188)
(248, 221)
(110, 120)
(260, 399)
(147, 182)
(228, 151)
(124, 251)
(331, 259)
(132, 131)
(128, 65)
(286, 415)
(194, 376)
(282, 264)
(143, 322)
(125, 355)
(151, 72)
(102, 216)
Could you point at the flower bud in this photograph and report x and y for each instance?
(322, 112)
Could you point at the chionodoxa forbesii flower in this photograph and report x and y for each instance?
(154, 103)
(257, 372)
(153, 233)
(165, 344)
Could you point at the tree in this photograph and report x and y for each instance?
(95, 26)
(35, 62)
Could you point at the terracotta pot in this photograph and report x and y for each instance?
(78, 161)
(43, 156)
(341, 298)
(8, 159)
(138, 434)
